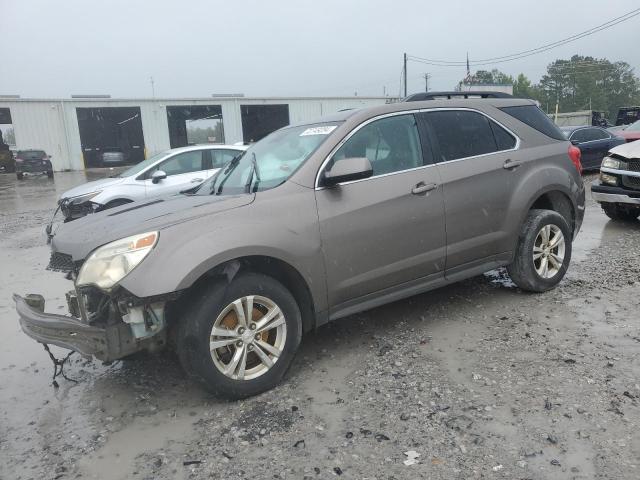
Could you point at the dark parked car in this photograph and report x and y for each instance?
(593, 142)
(313, 223)
(33, 162)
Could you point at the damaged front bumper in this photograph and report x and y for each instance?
(140, 327)
(61, 330)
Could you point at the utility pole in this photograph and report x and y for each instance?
(153, 91)
(427, 76)
(404, 70)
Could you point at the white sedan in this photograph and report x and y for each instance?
(166, 173)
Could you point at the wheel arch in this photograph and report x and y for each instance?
(557, 201)
(119, 199)
(274, 267)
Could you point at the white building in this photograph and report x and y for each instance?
(76, 131)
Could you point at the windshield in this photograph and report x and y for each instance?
(136, 169)
(269, 162)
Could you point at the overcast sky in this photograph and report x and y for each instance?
(285, 48)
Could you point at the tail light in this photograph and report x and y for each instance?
(575, 155)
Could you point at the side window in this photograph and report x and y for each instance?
(182, 163)
(221, 157)
(461, 134)
(581, 135)
(391, 144)
(595, 134)
(504, 140)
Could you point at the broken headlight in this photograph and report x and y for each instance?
(83, 198)
(608, 179)
(609, 162)
(109, 264)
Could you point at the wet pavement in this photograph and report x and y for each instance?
(478, 379)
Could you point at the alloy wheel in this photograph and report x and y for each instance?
(248, 337)
(549, 251)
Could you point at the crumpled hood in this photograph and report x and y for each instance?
(82, 236)
(628, 150)
(90, 187)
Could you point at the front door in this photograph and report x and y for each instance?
(474, 156)
(184, 170)
(386, 230)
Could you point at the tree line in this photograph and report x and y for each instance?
(580, 83)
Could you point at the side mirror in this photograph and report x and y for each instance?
(157, 176)
(347, 170)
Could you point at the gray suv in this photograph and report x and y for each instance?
(311, 224)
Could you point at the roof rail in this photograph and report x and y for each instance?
(418, 97)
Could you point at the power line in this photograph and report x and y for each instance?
(530, 52)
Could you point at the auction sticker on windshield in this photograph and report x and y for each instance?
(324, 130)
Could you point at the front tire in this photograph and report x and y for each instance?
(543, 252)
(619, 213)
(239, 338)
(19, 176)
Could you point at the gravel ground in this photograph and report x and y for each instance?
(476, 380)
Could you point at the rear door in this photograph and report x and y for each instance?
(593, 144)
(386, 230)
(184, 170)
(479, 175)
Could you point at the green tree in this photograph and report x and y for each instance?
(493, 76)
(523, 87)
(584, 82)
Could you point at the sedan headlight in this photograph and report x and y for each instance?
(609, 162)
(110, 263)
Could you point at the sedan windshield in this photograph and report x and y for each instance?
(268, 163)
(136, 169)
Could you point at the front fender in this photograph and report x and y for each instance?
(284, 227)
(132, 193)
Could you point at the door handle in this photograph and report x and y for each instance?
(421, 188)
(511, 164)
(196, 180)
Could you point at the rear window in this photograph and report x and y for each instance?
(535, 118)
(464, 134)
(32, 154)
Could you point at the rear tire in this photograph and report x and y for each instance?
(50, 174)
(213, 318)
(19, 176)
(619, 213)
(539, 263)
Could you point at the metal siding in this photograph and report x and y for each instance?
(52, 124)
(40, 126)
